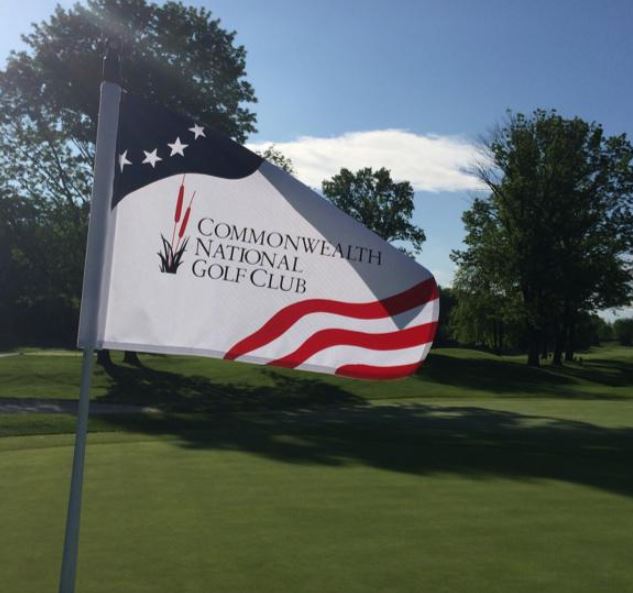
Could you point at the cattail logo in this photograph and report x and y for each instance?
(171, 255)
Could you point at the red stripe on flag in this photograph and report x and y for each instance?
(366, 371)
(405, 338)
(285, 318)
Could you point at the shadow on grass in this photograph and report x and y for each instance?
(503, 376)
(307, 421)
(612, 373)
(174, 392)
(494, 375)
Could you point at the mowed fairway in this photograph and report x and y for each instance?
(491, 494)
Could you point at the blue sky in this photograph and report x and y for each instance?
(413, 85)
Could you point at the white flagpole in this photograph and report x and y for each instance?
(105, 161)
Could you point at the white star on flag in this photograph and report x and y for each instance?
(177, 147)
(123, 160)
(197, 131)
(151, 158)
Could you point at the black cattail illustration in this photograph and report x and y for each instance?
(171, 255)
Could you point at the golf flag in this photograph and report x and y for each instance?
(211, 250)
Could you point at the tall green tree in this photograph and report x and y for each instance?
(487, 311)
(381, 204)
(591, 330)
(623, 329)
(171, 54)
(561, 212)
(448, 302)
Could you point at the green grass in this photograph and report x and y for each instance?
(442, 498)
(477, 475)
(178, 382)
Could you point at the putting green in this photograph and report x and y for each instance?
(401, 498)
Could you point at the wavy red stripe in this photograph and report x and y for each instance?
(282, 320)
(405, 338)
(365, 371)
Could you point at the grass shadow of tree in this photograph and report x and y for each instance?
(507, 377)
(612, 373)
(306, 421)
(174, 392)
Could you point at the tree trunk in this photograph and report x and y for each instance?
(533, 355)
(533, 307)
(103, 358)
(501, 337)
(534, 347)
(131, 358)
(559, 325)
(571, 339)
(495, 337)
(558, 349)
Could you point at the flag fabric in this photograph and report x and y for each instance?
(211, 250)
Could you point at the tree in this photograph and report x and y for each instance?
(381, 204)
(175, 55)
(37, 297)
(561, 214)
(486, 313)
(448, 302)
(604, 329)
(590, 329)
(623, 329)
(276, 157)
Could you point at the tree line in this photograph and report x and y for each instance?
(552, 240)
(548, 245)
(463, 324)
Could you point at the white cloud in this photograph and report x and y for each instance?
(612, 314)
(443, 277)
(430, 162)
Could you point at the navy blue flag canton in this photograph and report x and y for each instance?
(154, 143)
